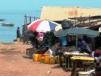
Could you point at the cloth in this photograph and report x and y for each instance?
(50, 52)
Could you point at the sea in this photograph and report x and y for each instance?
(8, 33)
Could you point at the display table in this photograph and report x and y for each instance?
(76, 59)
(67, 55)
(75, 53)
(83, 58)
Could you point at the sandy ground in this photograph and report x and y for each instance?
(12, 63)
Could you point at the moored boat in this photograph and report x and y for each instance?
(7, 24)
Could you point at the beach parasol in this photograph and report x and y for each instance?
(76, 31)
(42, 26)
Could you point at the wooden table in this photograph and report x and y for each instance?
(67, 56)
(75, 53)
(75, 59)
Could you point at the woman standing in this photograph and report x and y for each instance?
(18, 33)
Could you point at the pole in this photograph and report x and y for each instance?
(76, 42)
(30, 19)
(25, 19)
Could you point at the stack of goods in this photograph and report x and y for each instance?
(45, 58)
(36, 57)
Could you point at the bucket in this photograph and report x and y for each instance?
(36, 57)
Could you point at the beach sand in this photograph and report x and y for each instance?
(12, 63)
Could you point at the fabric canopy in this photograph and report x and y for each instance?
(42, 26)
(76, 31)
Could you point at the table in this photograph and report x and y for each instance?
(75, 59)
(67, 56)
(76, 53)
(84, 58)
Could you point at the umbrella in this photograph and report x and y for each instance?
(42, 25)
(76, 31)
(59, 27)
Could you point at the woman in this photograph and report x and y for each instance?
(18, 33)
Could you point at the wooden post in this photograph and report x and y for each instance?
(25, 19)
(30, 19)
(93, 44)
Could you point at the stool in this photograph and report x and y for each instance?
(88, 65)
(87, 73)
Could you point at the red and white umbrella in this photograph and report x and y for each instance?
(42, 26)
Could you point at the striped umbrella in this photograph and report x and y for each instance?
(42, 26)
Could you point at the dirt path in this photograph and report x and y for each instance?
(12, 63)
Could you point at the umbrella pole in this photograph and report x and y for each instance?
(76, 42)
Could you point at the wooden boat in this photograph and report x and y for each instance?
(7, 24)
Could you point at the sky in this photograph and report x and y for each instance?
(9, 10)
(29, 5)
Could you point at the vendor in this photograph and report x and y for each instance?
(83, 46)
(63, 41)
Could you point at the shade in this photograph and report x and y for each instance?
(76, 31)
(42, 25)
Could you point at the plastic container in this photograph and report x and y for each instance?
(47, 59)
(56, 59)
(36, 57)
(52, 60)
(42, 58)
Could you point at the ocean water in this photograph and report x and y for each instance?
(8, 34)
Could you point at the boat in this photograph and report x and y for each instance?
(2, 20)
(7, 24)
